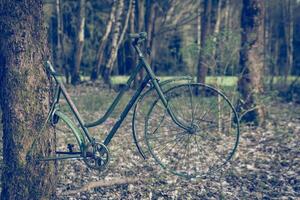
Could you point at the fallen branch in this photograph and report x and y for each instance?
(103, 183)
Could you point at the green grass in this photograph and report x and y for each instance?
(221, 80)
(224, 81)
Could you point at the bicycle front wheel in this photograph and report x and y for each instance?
(208, 139)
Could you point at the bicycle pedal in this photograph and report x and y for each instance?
(70, 147)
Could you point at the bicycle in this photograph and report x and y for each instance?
(182, 120)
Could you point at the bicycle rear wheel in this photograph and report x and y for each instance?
(211, 135)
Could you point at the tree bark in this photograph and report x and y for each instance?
(218, 18)
(114, 43)
(103, 42)
(75, 79)
(288, 32)
(117, 39)
(131, 57)
(151, 20)
(141, 27)
(60, 38)
(205, 30)
(251, 60)
(217, 29)
(24, 97)
(227, 14)
(59, 30)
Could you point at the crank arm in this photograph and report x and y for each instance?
(71, 156)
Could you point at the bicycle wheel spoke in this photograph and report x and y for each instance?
(165, 144)
(211, 137)
(188, 155)
(214, 152)
(198, 147)
(202, 150)
(163, 136)
(176, 144)
(178, 160)
(184, 155)
(191, 101)
(212, 149)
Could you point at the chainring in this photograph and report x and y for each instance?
(96, 156)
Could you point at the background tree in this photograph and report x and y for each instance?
(251, 59)
(118, 36)
(75, 79)
(103, 42)
(205, 31)
(24, 101)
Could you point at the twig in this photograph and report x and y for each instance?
(103, 183)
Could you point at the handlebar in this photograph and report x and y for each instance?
(50, 68)
(139, 36)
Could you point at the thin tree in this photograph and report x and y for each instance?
(75, 79)
(103, 43)
(141, 26)
(117, 39)
(205, 30)
(288, 16)
(24, 97)
(217, 26)
(150, 22)
(130, 59)
(60, 41)
(114, 43)
(251, 60)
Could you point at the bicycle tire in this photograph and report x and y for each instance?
(213, 134)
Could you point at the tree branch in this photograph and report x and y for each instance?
(104, 183)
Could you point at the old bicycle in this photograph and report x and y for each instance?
(191, 128)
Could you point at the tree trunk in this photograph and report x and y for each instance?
(218, 18)
(288, 32)
(75, 79)
(131, 59)
(114, 43)
(205, 30)
(103, 42)
(117, 40)
(199, 30)
(141, 27)
(60, 38)
(59, 32)
(24, 97)
(217, 29)
(251, 60)
(151, 20)
(227, 15)
(266, 34)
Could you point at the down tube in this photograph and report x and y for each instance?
(126, 110)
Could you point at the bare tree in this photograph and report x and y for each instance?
(60, 44)
(25, 98)
(117, 38)
(288, 13)
(103, 42)
(150, 22)
(75, 79)
(205, 30)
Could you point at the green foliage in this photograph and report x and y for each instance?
(221, 52)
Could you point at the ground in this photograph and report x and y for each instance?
(266, 165)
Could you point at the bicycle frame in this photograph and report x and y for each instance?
(61, 90)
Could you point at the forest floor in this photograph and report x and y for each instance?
(266, 165)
